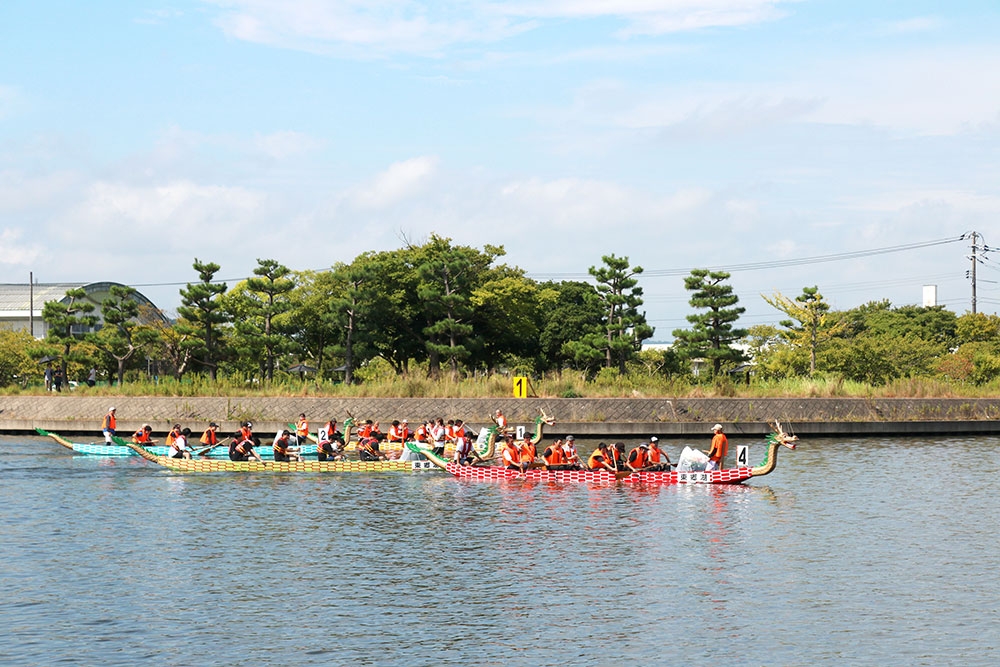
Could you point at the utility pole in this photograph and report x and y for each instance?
(974, 237)
(31, 302)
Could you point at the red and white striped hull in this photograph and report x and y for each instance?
(734, 476)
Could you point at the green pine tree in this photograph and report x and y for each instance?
(204, 314)
(712, 331)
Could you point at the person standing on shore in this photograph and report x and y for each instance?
(92, 377)
(48, 378)
(720, 445)
(108, 426)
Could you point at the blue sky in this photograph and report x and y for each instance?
(681, 133)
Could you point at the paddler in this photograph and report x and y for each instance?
(241, 447)
(108, 426)
(301, 430)
(368, 450)
(282, 446)
(463, 448)
(329, 445)
(658, 459)
(720, 445)
(422, 433)
(210, 438)
(554, 456)
(601, 459)
(173, 435)
(142, 436)
(398, 431)
(569, 453)
(511, 454)
(178, 448)
(638, 458)
(528, 453)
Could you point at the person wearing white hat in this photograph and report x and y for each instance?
(720, 445)
(108, 426)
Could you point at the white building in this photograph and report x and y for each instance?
(18, 301)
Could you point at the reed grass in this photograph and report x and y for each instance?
(557, 385)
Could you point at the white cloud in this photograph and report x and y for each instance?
(375, 27)
(12, 251)
(915, 24)
(400, 181)
(284, 144)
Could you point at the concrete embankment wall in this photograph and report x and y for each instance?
(584, 417)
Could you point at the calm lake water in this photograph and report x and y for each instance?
(855, 551)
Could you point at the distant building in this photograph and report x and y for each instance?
(17, 303)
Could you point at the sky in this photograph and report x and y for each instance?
(136, 137)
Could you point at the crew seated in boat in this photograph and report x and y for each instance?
(463, 448)
(398, 431)
(422, 434)
(555, 457)
(178, 448)
(242, 449)
(658, 459)
(438, 435)
(601, 459)
(330, 443)
(638, 459)
(511, 454)
(141, 437)
(569, 453)
(210, 437)
(370, 430)
(174, 432)
(368, 450)
(282, 448)
(528, 454)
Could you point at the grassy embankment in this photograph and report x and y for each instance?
(568, 385)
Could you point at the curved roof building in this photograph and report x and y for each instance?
(18, 301)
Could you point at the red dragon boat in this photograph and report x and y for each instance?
(775, 441)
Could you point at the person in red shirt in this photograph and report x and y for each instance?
(720, 445)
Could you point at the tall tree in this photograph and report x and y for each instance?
(809, 327)
(712, 331)
(119, 338)
(447, 275)
(572, 311)
(624, 326)
(268, 290)
(63, 319)
(204, 314)
(313, 324)
(352, 306)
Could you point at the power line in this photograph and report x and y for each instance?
(781, 263)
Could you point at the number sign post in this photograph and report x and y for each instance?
(520, 387)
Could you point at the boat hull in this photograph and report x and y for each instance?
(494, 473)
(214, 465)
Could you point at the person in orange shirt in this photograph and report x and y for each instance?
(528, 454)
(601, 459)
(301, 430)
(658, 459)
(210, 437)
(501, 421)
(511, 454)
(720, 445)
(398, 432)
(141, 437)
(638, 458)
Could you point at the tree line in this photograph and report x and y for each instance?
(444, 309)
(438, 308)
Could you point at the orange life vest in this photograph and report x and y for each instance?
(641, 458)
(331, 428)
(596, 460)
(528, 452)
(209, 437)
(366, 431)
(421, 434)
(720, 443)
(302, 429)
(174, 433)
(555, 456)
(109, 422)
(511, 454)
(140, 436)
(654, 456)
(396, 434)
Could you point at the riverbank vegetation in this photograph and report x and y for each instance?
(439, 319)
